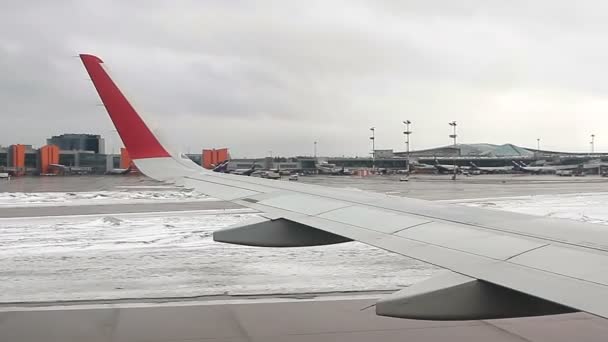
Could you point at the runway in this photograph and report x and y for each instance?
(114, 208)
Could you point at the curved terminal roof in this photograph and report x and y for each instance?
(491, 150)
(477, 150)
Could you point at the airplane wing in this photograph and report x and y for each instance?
(498, 264)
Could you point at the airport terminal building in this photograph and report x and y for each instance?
(495, 155)
(63, 154)
(78, 142)
(84, 154)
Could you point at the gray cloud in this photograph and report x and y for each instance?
(277, 75)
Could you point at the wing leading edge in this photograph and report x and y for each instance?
(503, 264)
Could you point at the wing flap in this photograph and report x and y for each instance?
(471, 240)
(385, 221)
(302, 203)
(570, 262)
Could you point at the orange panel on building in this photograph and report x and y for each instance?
(207, 159)
(212, 158)
(49, 154)
(125, 160)
(221, 155)
(17, 159)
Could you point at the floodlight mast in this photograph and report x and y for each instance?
(453, 136)
(373, 139)
(407, 133)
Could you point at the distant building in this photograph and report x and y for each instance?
(495, 155)
(78, 142)
(473, 150)
(212, 157)
(310, 164)
(20, 159)
(380, 154)
(3, 156)
(88, 162)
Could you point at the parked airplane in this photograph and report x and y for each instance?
(119, 171)
(498, 264)
(222, 167)
(424, 168)
(519, 166)
(245, 172)
(446, 168)
(325, 168)
(269, 174)
(491, 169)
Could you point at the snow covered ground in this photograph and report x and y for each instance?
(165, 255)
(30, 199)
(588, 207)
(172, 254)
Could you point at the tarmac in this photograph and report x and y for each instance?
(318, 320)
(308, 317)
(114, 209)
(441, 187)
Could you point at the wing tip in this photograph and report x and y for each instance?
(135, 134)
(85, 57)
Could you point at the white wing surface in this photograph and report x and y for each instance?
(498, 264)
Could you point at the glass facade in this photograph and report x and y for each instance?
(31, 160)
(78, 142)
(97, 162)
(67, 159)
(116, 162)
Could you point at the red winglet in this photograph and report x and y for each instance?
(137, 137)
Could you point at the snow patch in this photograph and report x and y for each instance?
(40, 199)
(588, 207)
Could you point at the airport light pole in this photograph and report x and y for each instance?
(315, 151)
(373, 139)
(407, 133)
(453, 136)
(599, 168)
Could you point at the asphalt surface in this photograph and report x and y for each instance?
(323, 319)
(75, 183)
(114, 209)
(441, 187)
(320, 320)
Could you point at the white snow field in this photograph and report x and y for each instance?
(588, 207)
(172, 254)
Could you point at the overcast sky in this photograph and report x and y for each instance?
(260, 76)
